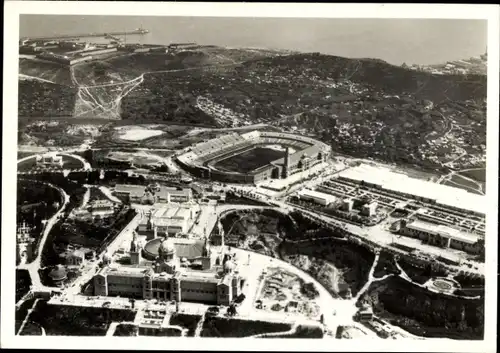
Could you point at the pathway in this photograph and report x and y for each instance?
(112, 328)
(199, 326)
(291, 331)
(106, 191)
(27, 77)
(26, 318)
(34, 266)
(429, 287)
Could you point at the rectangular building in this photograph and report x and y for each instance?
(177, 195)
(443, 236)
(132, 191)
(369, 209)
(316, 196)
(191, 286)
(49, 160)
(172, 220)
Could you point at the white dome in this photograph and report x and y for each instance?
(166, 247)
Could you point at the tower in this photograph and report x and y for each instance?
(286, 164)
(149, 224)
(135, 251)
(222, 235)
(206, 248)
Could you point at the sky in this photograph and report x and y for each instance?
(414, 41)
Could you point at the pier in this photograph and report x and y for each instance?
(138, 31)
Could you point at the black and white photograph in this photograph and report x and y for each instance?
(188, 173)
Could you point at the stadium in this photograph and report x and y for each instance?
(253, 156)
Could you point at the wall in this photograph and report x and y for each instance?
(199, 291)
(125, 286)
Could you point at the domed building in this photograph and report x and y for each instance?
(58, 275)
(167, 260)
(199, 279)
(167, 251)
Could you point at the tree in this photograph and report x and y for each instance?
(231, 311)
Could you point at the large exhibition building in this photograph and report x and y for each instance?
(174, 269)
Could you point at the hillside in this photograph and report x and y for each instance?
(425, 313)
(362, 107)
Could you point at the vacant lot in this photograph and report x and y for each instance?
(249, 160)
(476, 174)
(138, 133)
(458, 182)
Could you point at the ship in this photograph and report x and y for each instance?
(141, 30)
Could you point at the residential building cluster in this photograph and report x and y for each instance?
(473, 65)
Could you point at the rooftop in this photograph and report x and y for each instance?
(172, 212)
(125, 188)
(164, 191)
(199, 276)
(129, 271)
(188, 248)
(398, 182)
(317, 194)
(295, 157)
(443, 230)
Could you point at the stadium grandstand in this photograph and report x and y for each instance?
(300, 153)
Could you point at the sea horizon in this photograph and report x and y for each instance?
(396, 41)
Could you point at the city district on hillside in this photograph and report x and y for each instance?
(198, 217)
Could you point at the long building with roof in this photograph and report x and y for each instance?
(153, 193)
(443, 236)
(412, 188)
(176, 269)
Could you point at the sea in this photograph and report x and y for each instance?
(396, 41)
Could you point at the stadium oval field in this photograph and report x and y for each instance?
(220, 159)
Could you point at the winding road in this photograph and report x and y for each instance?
(34, 266)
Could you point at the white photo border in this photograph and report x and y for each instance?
(13, 9)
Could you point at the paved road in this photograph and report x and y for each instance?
(34, 266)
(210, 215)
(106, 191)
